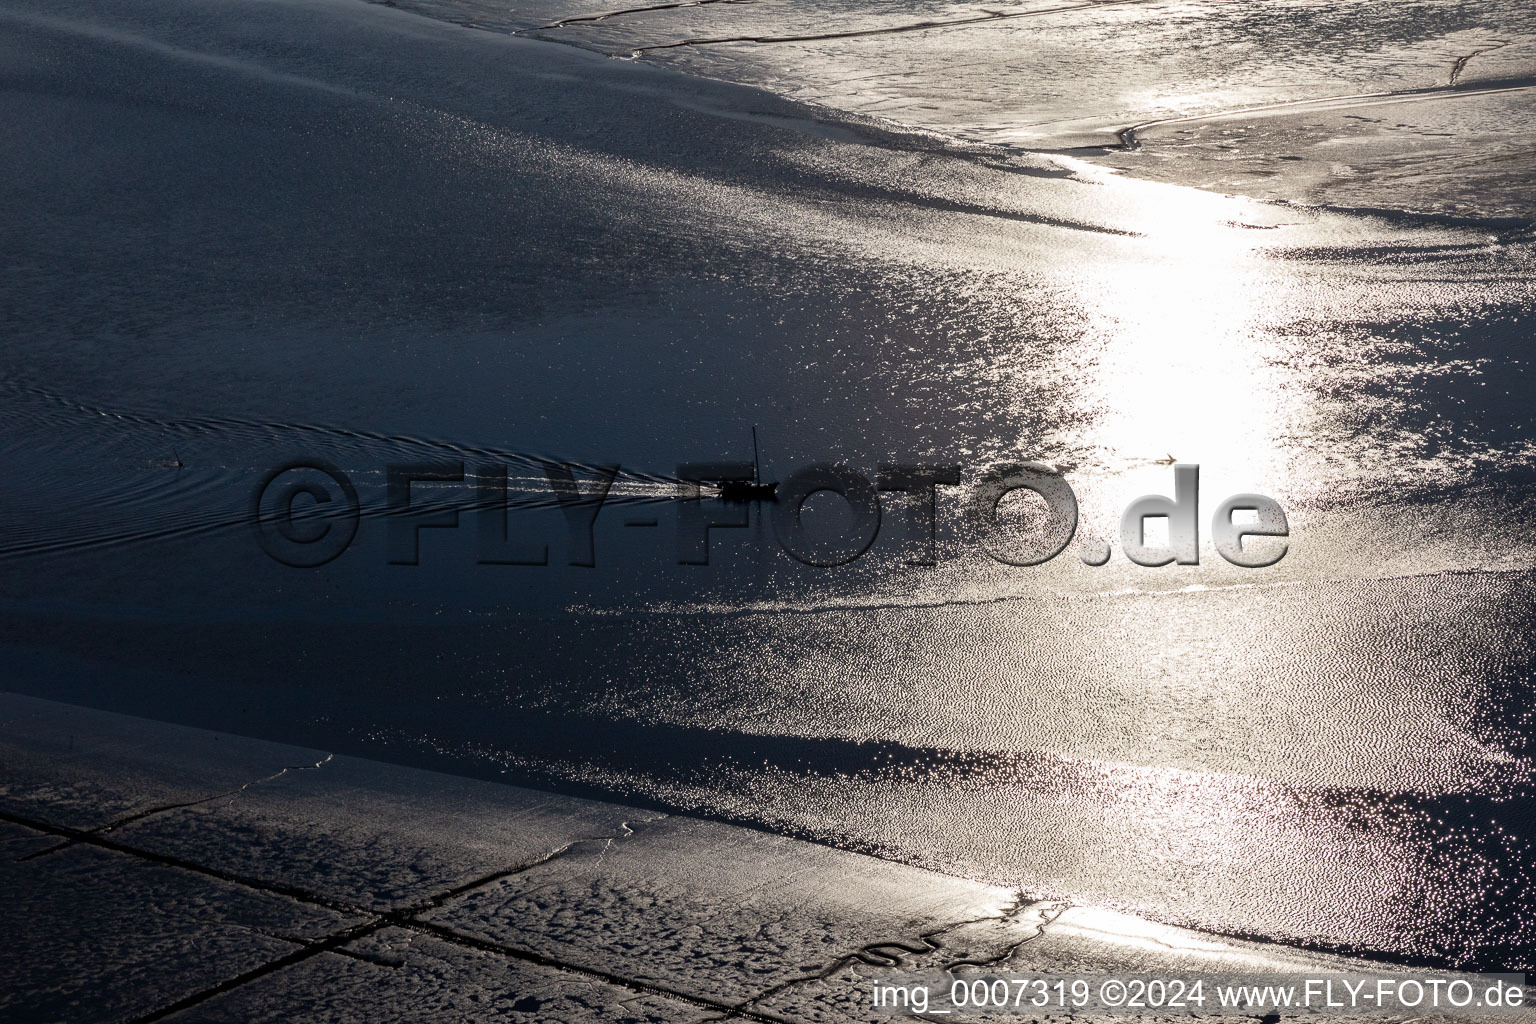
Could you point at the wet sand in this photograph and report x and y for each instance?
(247, 234)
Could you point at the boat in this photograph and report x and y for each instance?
(741, 491)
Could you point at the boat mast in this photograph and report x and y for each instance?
(757, 474)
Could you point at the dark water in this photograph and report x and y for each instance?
(244, 235)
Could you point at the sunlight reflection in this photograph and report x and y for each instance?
(1177, 364)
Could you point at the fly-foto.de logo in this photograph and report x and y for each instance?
(305, 513)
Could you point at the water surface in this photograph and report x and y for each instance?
(272, 230)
